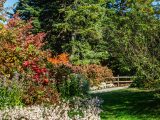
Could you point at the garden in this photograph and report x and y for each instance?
(53, 53)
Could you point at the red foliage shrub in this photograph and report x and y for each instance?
(40, 95)
(18, 45)
(96, 73)
(21, 51)
(39, 74)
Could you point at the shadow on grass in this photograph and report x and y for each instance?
(129, 104)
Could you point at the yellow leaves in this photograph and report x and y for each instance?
(145, 6)
(144, 1)
(1, 26)
(7, 35)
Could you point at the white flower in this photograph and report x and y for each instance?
(88, 108)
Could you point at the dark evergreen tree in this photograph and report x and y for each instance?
(30, 10)
(73, 26)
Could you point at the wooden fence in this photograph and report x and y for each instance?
(118, 82)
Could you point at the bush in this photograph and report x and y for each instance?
(96, 73)
(10, 93)
(68, 81)
(22, 52)
(74, 85)
(37, 95)
(10, 97)
(18, 45)
(143, 82)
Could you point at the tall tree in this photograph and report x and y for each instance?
(30, 10)
(82, 30)
(133, 41)
(73, 26)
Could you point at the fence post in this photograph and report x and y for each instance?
(118, 80)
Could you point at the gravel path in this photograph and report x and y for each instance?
(108, 89)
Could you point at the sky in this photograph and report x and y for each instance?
(10, 3)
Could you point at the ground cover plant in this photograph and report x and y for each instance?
(81, 109)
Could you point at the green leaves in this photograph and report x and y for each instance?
(132, 42)
(124, 35)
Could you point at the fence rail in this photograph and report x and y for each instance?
(118, 81)
(122, 77)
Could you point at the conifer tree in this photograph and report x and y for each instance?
(73, 26)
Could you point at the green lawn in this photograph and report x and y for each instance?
(129, 104)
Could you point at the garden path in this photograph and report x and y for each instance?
(108, 89)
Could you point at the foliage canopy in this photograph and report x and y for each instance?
(121, 34)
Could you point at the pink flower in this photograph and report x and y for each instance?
(26, 63)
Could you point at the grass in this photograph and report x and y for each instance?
(129, 104)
